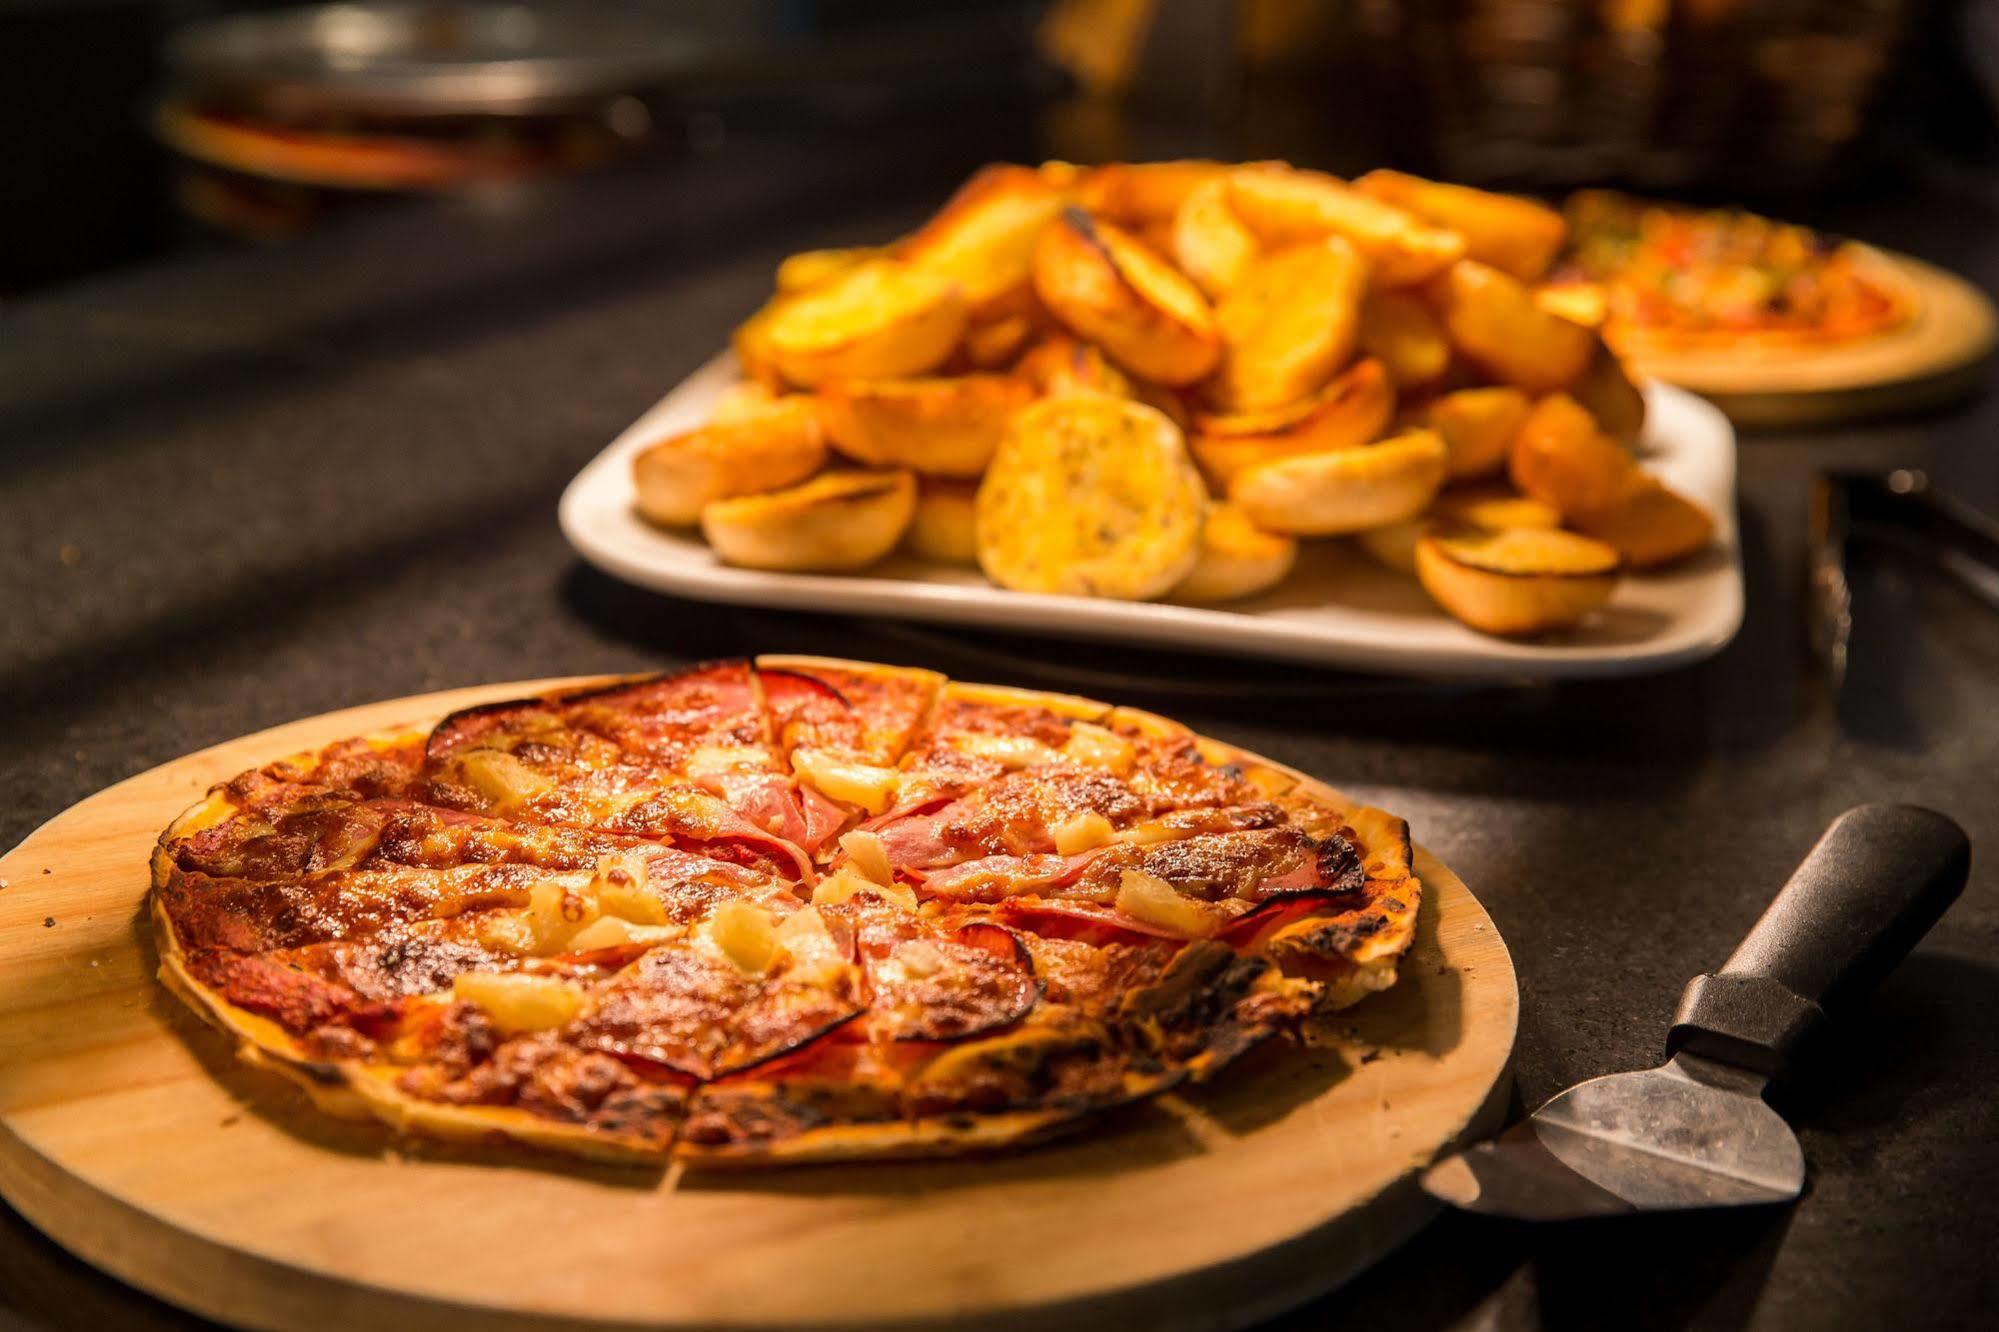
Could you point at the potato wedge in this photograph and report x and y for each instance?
(1516, 581)
(1346, 490)
(1349, 412)
(1090, 496)
(881, 319)
(1238, 559)
(998, 343)
(1584, 303)
(809, 268)
(1493, 506)
(1063, 175)
(935, 426)
(1478, 426)
(1607, 393)
(1209, 241)
(1496, 322)
(983, 239)
(945, 528)
(1289, 322)
(743, 400)
(1158, 238)
(1061, 364)
(836, 521)
(1467, 506)
(1514, 235)
(779, 445)
(1114, 291)
(1393, 545)
(1650, 524)
(1400, 331)
(1140, 194)
(1283, 206)
(1561, 458)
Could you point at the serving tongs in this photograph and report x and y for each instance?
(1901, 509)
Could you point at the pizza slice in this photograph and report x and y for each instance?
(686, 758)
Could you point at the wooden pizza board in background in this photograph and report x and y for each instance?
(132, 1136)
(1936, 357)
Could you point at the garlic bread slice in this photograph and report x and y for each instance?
(1090, 496)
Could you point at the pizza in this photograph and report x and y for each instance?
(1668, 279)
(768, 911)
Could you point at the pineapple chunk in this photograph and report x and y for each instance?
(1099, 747)
(519, 1003)
(843, 883)
(613, 932)
(744, 934)
(556, 911)
(502, 778)
(1148, 833)
(868, 856)
(1151, 899)
(506, 932)
(715, 760)
(814, 958)
(1010, 751)
(846, 781)
(620, 885)
(1081, 832)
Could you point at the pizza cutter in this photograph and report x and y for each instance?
(1696, 1131)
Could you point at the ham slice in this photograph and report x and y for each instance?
(992, 878)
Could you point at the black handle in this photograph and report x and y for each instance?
(1873, 886)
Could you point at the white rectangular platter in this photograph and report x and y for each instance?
(1338, 608)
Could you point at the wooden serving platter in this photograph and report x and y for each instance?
(130, 1134)
(1932, 358)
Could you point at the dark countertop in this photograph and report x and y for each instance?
(241, 488)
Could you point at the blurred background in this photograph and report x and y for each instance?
(143, 127)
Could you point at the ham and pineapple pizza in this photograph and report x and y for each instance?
(784, 910)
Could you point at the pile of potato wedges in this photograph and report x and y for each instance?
(1152, 380)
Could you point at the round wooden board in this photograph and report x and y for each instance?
(130, 1134)
(1934, 357)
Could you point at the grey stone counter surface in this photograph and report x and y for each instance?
(243, 487)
